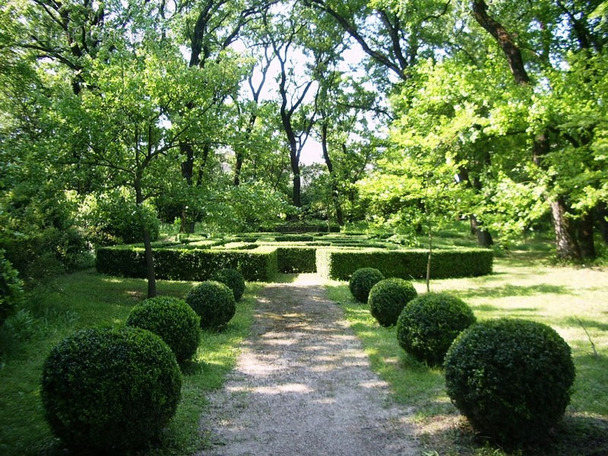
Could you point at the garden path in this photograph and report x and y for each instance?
(304, 386)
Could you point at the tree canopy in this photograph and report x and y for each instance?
(203, 111)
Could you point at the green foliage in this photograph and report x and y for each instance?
(511, 378)
(387, 299)
(297, 259)
(110, 390)
(407, 264)
(362, 281)
(233, 279)
(11, 288)
(114, 218)
(187, 264)
(214, 302)
(173, 320)
(429, 324)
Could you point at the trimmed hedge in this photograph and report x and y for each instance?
(233, 279)
(297, 259)
(406, 264)
(263, 263)
(188, 264)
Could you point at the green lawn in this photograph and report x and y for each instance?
(574, 301)
(88, 299)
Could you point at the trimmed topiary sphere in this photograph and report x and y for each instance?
(511, 378)
(233, 279)
(429, 324)
(173, 320)
(362, 281)
(388, 298)
(107, 391)
(214, 302)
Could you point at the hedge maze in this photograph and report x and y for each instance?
(261, 258)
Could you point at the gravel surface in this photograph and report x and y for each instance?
(303, 386)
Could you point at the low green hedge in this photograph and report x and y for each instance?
(263, 263)
(297, 259)
(407, 264)
(188, 264)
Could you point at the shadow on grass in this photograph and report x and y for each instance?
(585, 323)
(576, 435)
(514, 290)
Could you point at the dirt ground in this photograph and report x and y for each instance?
(303, 386)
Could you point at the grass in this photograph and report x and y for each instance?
(571, 300)
(87, 299)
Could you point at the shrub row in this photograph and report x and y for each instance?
(263, 263)
(297, 259)
(406, 264)
(188, 264)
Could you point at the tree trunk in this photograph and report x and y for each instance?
(565, 242)
(484, 237)
(585, 237)
(150, 273)
(602, 216)
(335, 193)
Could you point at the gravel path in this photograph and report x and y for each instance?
(303, 386)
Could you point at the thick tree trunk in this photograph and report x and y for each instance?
(602, 219)
(565, 242)
(585, 237)
(484, 237)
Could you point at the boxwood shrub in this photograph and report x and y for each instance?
(11, 288)
(173, 320)
(233, 279)
(362, 281)
(511, 378)
(108, 391)
(388, 298)
(214, 302)
(429, 324)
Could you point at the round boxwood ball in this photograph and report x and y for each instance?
(511, 378)
(429, 324)
(173, 320)
(233, 279)
(362, 281)
(214, 302)
(107, 391)
(388, 298)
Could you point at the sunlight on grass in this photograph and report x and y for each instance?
(87, 299)
(569, 299)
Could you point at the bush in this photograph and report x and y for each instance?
(110, 390)
(511, 378)
(115, 218)
(214, 302)
(388, 298)
(362, 281)
(429, 324)
(173, 320)
(233, 279)
(11, 288)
